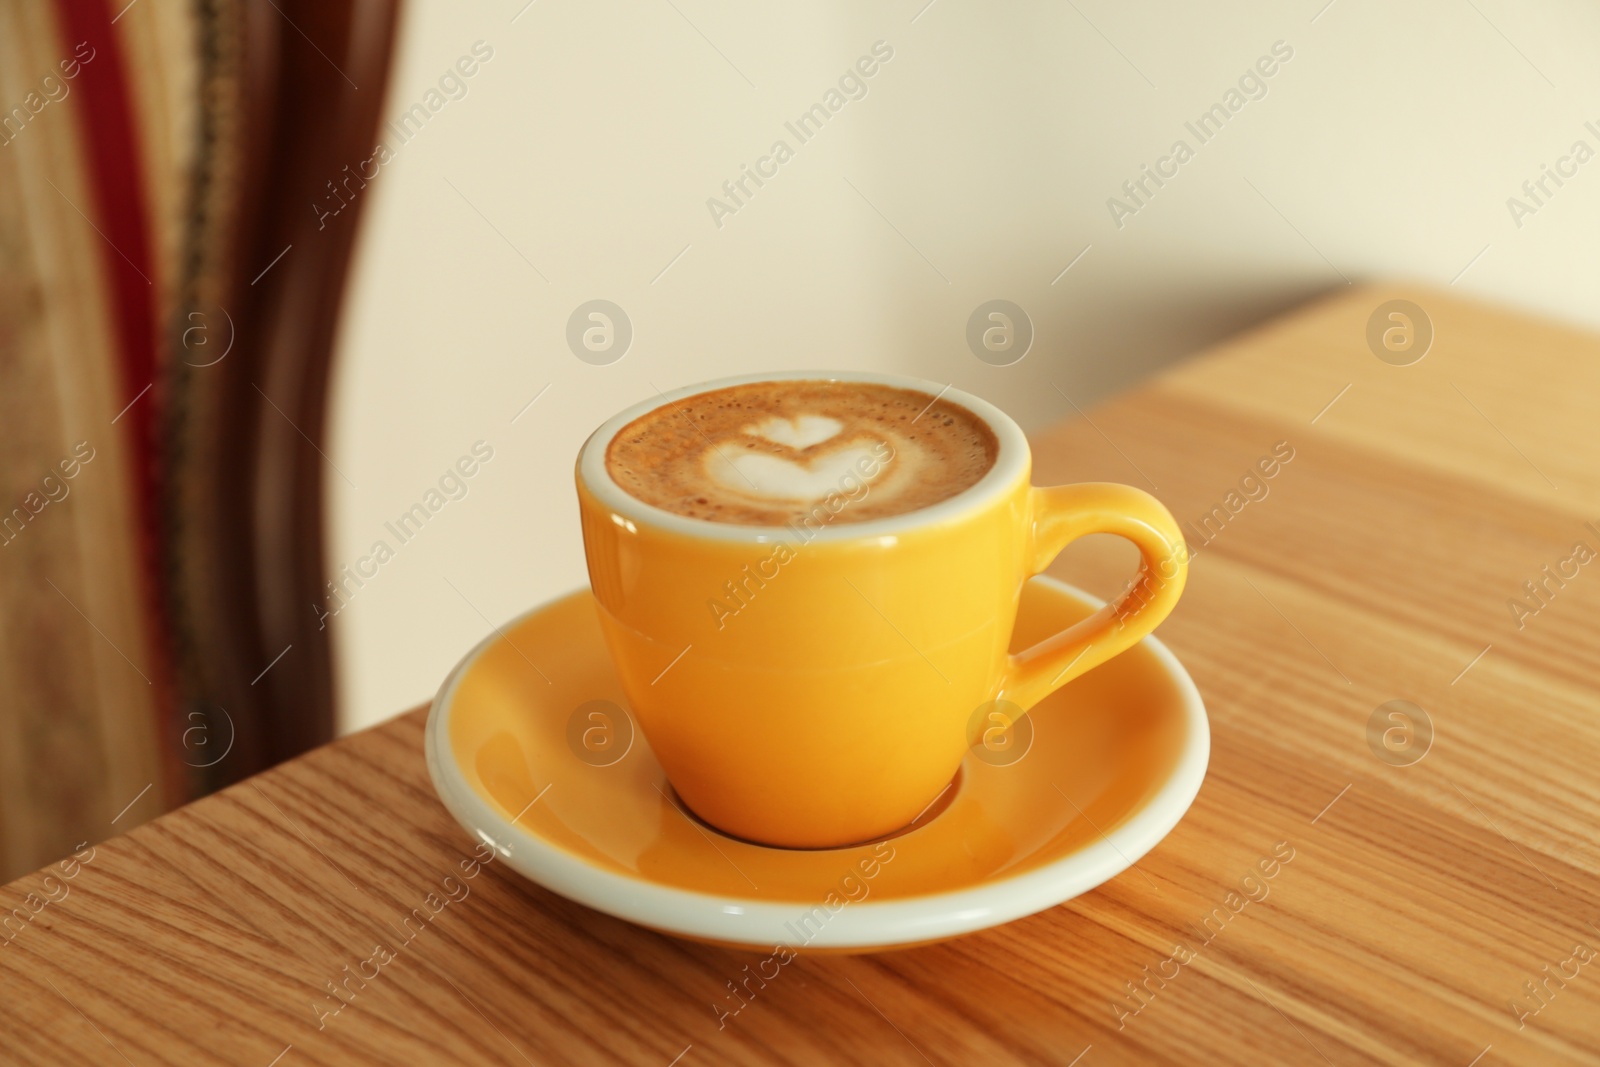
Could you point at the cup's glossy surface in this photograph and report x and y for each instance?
(818, 685)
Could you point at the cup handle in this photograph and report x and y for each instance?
(1059, 516)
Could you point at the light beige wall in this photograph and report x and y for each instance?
(978, 165)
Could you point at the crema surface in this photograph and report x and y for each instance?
(774, 453)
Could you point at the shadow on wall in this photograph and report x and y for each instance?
(1123, 339)
(1086, 348)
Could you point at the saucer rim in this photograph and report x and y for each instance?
(869, 924)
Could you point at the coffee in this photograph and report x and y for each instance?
(771, 453)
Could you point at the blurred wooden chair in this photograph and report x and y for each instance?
(170, 279)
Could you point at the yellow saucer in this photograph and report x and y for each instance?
(531, 748)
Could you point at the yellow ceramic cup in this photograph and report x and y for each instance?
(814, 685)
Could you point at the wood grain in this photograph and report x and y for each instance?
(1418, 901)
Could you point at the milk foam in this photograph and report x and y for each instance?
(803, 431)
(770, 453)
(777, 478)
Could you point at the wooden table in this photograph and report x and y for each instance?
(1423, 892)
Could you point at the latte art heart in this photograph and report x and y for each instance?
(777, 478)
(801, 453)
(801, 432)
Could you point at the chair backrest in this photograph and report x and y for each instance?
(170, 279)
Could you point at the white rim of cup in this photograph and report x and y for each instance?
(865, 925)
(1011, 464)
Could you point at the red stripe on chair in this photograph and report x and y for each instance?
(110, 136)
(111, 144)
